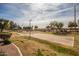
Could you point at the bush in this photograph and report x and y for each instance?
(6, 41)
(2, 54)
(5, 35)
(39, 53)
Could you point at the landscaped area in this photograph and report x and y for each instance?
(39, 30)
(76, 41)
(40, 47)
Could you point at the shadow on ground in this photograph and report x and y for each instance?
(4, 38)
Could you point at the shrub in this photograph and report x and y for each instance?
(5, 35)
(39, 53)
(2, 54)
(6, 41)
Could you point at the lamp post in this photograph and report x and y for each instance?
(75, 13)
(75, 17)
(30, 29)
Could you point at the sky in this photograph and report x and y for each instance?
(41, 14)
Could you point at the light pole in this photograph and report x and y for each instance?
(75, 13)
(30, 29)
(75, 25)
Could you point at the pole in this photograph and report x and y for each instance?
(75, 17)
(30, 29)
(75, 13)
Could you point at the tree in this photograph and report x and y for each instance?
(27, 28)
(53, 24)
(3, 24)
(60, 25)
(36, 27)
(72, 25)
(56, 25)
(48, 28)
(12, 25)
(78, 23)
(7, 24)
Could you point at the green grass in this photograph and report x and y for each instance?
(6, 33)
(32, 47)
(57, 47)
(24, 43)
(76, 41)
(2, 54)
(62, 34)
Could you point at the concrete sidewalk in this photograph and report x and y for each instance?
(9, 50)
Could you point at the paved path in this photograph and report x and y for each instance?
(9, 50)
(66, 40)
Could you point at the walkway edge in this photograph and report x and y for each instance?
(18, 49)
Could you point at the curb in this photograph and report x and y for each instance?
(17, 49)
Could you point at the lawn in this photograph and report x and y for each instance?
(38, 47)
(76, 41)
(66, 34)
(31, 47)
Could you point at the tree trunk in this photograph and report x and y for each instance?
(1, 30)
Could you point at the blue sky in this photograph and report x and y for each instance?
(40, 13)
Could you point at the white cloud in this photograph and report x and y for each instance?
(41, 14)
